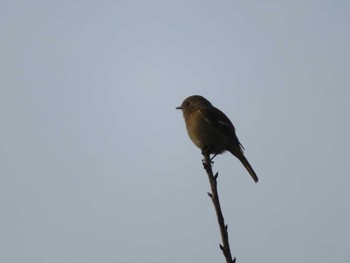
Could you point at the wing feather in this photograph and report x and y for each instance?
(219, 120)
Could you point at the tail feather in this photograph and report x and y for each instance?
(249, 168)
(240, 156)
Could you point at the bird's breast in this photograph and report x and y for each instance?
(204, 134)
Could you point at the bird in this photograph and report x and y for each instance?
(209, 128)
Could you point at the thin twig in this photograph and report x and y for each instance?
(225, 247)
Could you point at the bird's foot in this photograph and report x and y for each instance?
(212, 158)
(206, 151)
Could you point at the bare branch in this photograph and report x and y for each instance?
(225, 247)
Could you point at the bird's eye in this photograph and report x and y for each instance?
(187, 103)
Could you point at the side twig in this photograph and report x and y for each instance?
(225, 246)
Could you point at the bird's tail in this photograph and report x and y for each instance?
(236, 151)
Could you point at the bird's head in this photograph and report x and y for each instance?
(193, 103)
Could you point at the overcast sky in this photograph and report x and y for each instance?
(96, 164)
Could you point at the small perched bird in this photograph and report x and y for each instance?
(209, 128)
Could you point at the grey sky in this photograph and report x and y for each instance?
(95, 162)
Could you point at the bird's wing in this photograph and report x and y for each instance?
(219, 120)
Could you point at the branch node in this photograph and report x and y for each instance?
(222, 248)
(205, 166)
(216, 175)
(210, 195)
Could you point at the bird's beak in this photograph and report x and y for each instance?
(179, 108)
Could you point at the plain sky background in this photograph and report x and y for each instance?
(95, 162)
